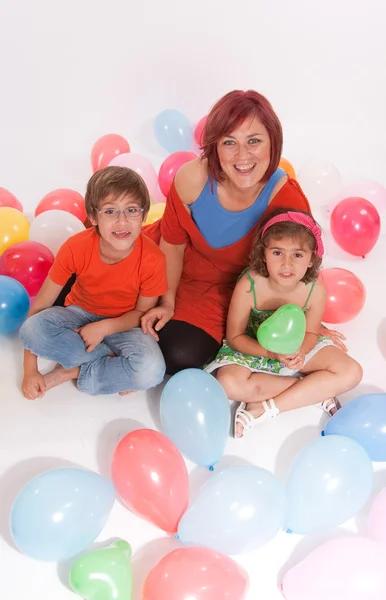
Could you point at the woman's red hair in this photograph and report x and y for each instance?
(228, 114)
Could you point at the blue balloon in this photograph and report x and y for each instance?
(14, 304)
(195, 415)
(330, 481)
(173, 130)
(60, 512)
(238, 510)
(363, 420)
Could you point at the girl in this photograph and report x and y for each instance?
(283, 269)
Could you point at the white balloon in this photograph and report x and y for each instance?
(320, 181)
(53, 227)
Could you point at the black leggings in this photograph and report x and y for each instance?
(184, 346)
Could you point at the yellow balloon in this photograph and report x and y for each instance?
(156, 211)
(14, 227)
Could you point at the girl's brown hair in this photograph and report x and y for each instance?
(278, 231)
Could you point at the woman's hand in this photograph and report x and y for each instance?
(156, 318)
(335, 336)
(93, 334)
(33, 385)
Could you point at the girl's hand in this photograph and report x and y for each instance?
(335, 336)
(33, 385)
(294, 361)
(93, 334)
(156, 318)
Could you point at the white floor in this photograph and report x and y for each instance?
(69, 428)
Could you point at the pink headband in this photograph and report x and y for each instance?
(301, 219)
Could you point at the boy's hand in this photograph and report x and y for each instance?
(33, 385)
(93, 334)
(156, 318)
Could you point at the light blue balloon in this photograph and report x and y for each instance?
(195, 415)
(238, 510)
(14, 304)
(330, 481)
(363, 420)
(173, 130)
(60, 512)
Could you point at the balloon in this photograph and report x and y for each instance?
(155, 213)
(106, 148)
(104, 574)
(14, 304)
(140, 165)
(169, 168)
(195, 415)
(287, 167)
(349, 567)
(28, 263)
(173, 130)
(14, 227)
(9, 200)
(330, 482)
(376, 522)
(196, 573)
(53, 227)
(320, 181)
(67, 200)
(284, 331)
(199, 131)
(237, 510)
(150, 476)
(355, 225)
(157, 196)
(363, 420)
(60, 512)
(346, 295)
(370, 190)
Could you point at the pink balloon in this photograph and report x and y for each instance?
(106, 148)
(196, 573)
(9, 200)
(198, 132)
(355, 225)
(370, 190)
(346, 295)
(141, 165)
(376, 523)
(150, 476)
(170, 167)
(351, 567)
(157, 196)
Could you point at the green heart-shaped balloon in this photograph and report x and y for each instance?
(104, 574)
(283, 332)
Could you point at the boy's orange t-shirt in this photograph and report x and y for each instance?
(109, 290)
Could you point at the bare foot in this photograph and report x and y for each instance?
(59, 375)
(125, 393)
(256, 410)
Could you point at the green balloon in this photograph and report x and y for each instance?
(284, 331)
(104, 574)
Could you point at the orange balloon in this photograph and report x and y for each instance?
(155, 213)
(63, 199)
(346, 295)
(287, 167)
(14, 227)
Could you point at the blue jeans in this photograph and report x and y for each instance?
(138, 364)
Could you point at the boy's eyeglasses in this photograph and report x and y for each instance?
(132, 212)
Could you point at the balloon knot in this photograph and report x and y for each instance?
(176, 537)
(323, 434)
(211, 468)
(289, 531)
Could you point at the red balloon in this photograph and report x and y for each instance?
(170, 167)
(198, 132)
(9, 200)
(106, 148)
(64, 199)
(28, 263)
(355, 225)
(150, 476)
(346, 295)
(196, 573)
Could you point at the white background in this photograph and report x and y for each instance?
(73, 71)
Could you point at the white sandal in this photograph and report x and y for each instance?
(247, 420)
(328, 406)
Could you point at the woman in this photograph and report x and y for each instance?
(212, 213)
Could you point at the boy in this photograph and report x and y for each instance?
(120, 273)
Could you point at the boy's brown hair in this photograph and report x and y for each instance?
(286, 229)
(116, 182)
